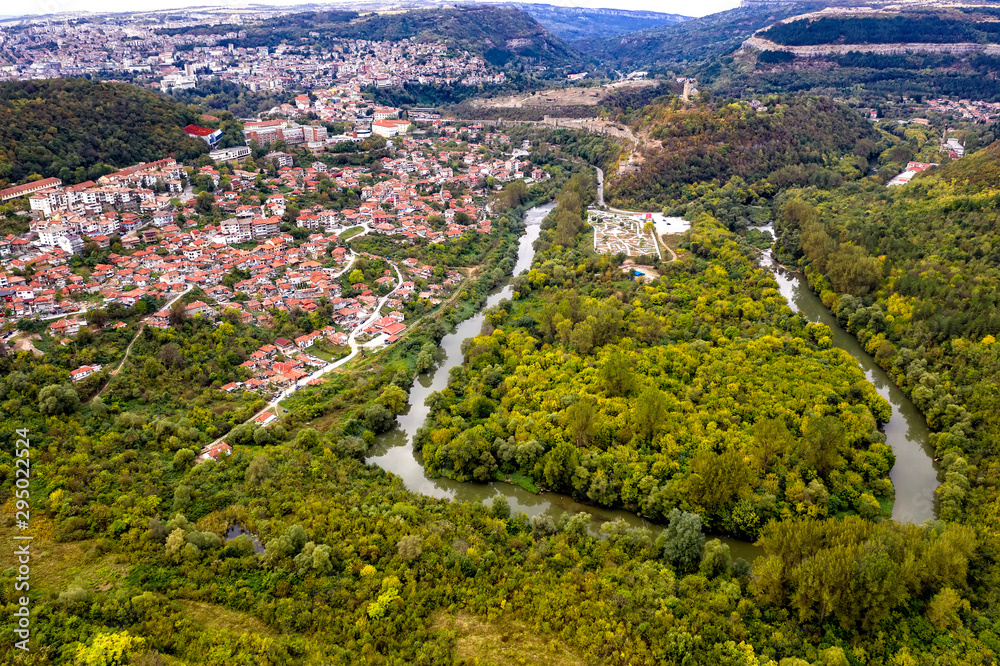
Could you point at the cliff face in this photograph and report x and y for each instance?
(818, 51)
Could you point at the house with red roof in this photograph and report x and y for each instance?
(83, 372)
(206, 134)
(213, 451)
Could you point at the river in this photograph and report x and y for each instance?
(393, 451)
(906, 432)
(914, 475)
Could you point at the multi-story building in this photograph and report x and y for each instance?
(29, 188)
(264, 227)
(280, 159)
(390, 128)
(56, 235)
(206, 134)
(230, 154)
(385, 112)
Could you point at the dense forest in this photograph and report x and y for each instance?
(912, 272)
(575, 23)
(901, 29)
(798, 139)
(684, 47)
(708, 48)
(607, 389)
(869, 78)
(220, 95)
(332, 561)
(76, 129)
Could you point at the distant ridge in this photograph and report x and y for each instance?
(506, 36)
(576, 23)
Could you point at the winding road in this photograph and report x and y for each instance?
(352, 342)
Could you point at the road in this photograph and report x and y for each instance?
(352, 342)
(128, 350)
(365, 230)
(64, 314)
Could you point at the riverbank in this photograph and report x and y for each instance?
(394, 452)
(914, 475)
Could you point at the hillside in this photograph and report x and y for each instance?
(930, 52)
(77, 129)
(681, 46)
(927, 305)
(792, 142)
(505, 36)
(575, 23)
(880, 29)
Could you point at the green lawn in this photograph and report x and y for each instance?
(351, 233)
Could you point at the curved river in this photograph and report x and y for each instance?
(913, 474)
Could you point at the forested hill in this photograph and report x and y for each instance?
(913, 272)
(978, 173)
(794, 141)
(575, 23)
(684, 45)
(948, 56)
(901, 29)
(77, 129)
(505, 36)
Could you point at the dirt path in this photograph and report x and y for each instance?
(25, 343)
(663, 240)
(128, 350)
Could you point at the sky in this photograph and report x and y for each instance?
(685, 7)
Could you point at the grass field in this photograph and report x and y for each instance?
(57, 566)
(351, 233)
(223, 619)
(505, 643)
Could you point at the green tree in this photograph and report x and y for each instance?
(110, 649)
(581, 419)
(204, 202)
(58, 399)
(393, 398)
(651, 412)
(378, 419)
(258, 471)
(823, 437)
(683, 540)
(617, 376)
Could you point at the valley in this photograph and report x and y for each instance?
(508, 333)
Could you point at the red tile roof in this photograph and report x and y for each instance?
(199, 131)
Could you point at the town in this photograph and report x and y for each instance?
(246, 238)
(149, 50)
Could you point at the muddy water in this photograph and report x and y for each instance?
(914, 475)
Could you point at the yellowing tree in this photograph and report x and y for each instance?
(109, 649)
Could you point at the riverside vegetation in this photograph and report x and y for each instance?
(700, 390)
(355, 567)
(912, 272)
(699, 399)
